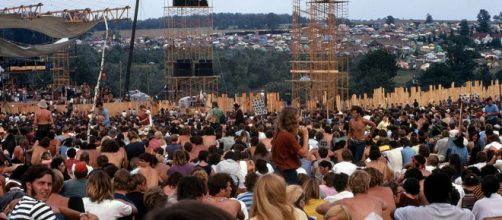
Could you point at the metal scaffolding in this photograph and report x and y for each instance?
(320, 53)
(189, 47)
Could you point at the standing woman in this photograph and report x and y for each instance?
(43, 121)
(285, 147)
(270, 201)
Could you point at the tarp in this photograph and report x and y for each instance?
(51, 26)
(9, 49)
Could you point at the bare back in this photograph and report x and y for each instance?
(151, 175)
(43, 117)
(363, 205)
(384, 193)
(36, 157)
(382, 167)
(116, 158)
(231, 206)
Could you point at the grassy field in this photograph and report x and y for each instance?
(403, 76)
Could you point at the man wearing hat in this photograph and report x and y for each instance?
(43, 120)
(239, 116)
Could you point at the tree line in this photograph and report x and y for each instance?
(220, 21)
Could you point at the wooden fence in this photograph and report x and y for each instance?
(380, 98)
(434, 94)
(273, 103)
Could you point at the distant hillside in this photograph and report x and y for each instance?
(220, 21)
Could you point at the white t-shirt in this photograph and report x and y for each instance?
(488, 207)
(344, 167)
(395, 159)
(433, 211)
(339, 196)
(107, 209)
(494, 144)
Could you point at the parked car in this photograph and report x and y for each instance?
(136, 95)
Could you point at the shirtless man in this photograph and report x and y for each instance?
(43, 120)
(147, 163)
(38, 149)
(362, 206)
(383, 192)
(220, 188)
(356, 135)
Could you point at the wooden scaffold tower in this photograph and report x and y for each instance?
(188, 52)
(320, 54)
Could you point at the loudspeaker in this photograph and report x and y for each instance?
(204, 68)
(190, 3)
(183, 68)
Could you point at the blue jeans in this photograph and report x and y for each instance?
(492, 121)
(357, 148)
(291, 176)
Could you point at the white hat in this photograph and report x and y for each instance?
(42, 104)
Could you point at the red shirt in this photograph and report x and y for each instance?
(285, 149)
(69, 164)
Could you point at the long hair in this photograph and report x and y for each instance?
(295, 195)
(311, 189)
(99, 186)
(179, 158)
(270, 200)
(288, 120)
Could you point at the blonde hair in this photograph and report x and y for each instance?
(294, 194)
(269, 199)
(158, 135)
(359, 182)
(201, 174)
(311, 190)
(339, 212)
(99, 186)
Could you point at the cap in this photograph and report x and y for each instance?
(80, 167)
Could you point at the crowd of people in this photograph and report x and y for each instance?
(403, 162)
(81, 94)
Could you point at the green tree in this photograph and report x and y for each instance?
(498, 75)
(484, 21)
(464, 28)
(438, 73)
(389, 20)
(483, 74)
(460, 61)
(496, 43)
(428, 19)
(272, 21)
(375, 69)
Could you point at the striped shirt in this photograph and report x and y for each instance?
(29, 208)
(247, 198)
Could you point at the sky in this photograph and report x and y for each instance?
(358, 9)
